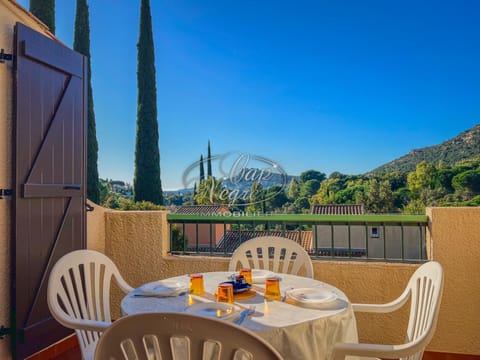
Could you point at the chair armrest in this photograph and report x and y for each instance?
(125, 287)
(84, 324)
(383, 308)
(341, 350)
(122, 284)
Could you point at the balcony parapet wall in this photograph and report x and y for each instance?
(138, 242)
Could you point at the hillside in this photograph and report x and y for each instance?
(462, 147)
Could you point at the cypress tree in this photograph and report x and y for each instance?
(147, 183)
(202, 170)
(45, 11)
(293, 189)
(81, 43)
(194, 193)
(209, 161)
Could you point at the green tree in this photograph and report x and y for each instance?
(312, 175)
(211, 192)
(194, 192)
(177, 240)
(257, 198)
(81, 43)
(378, 197)
(397, 179)
(337, 175)
(424, 177)
(414, 207)
(326, 194)
(45, 11)
(293, 189)
(104, 191)
(349, 194)
(309, 188)
(468, 181)
(401, 197)
(445, 176)
(275, 197)
(209, 161)
(302, 204)
(202, 170)
(147, 183)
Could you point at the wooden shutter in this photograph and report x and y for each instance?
(49, 196)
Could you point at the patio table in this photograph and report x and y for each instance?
(297, 332)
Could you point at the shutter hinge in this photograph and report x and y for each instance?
(5, 192)
(4, 56)
(5, 331)
(8, 331)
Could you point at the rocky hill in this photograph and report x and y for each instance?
(462, 147)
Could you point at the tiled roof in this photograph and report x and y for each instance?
(232, 239)
(338, 209)
(202, 210)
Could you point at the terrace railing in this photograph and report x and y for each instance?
(341, 237)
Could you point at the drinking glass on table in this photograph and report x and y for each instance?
(196, 284)
(247, 274)
(272, 289)
(225, 293)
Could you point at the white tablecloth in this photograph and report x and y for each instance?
(296, 332)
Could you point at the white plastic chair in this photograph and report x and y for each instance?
(165, 336)
(78, 295)
(274, 253)
(425, 290)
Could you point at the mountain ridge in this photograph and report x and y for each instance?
(464, 146)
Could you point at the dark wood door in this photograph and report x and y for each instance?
(49, 201)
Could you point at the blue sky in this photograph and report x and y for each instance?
(326, 85)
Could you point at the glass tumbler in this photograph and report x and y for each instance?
(196, 284)
(247, 274)
(225, 293)
(272, 289)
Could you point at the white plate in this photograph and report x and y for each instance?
(162, 288)
(312, 296)
(222, 311)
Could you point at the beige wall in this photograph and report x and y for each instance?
(138, 242)
(455, 235)
(9, 15)
(96, 227)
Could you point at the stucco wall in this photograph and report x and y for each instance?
(138, 243)
(455, 235)
(9, 15)
(96, 227)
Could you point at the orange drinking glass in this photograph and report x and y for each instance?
(225, 293)
(272, 289)
(196, 284)
(247, 274)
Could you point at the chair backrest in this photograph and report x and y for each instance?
(166, 336)
(273, 253)
(425, 287)
(78, 294)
